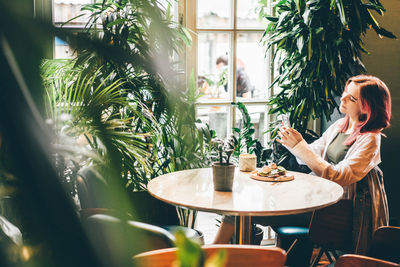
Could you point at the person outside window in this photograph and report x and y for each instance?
(243, 86)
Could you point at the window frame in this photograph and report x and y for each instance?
(187, 10)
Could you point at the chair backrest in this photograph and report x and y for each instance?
(94, 196)
(332, 226)
(237, 256)
(385, 244)
(349, 260)
(116, 240)
(92, 189)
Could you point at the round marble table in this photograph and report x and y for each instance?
(194, 189)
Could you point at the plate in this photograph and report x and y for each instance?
(283, 178)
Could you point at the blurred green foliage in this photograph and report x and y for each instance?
(190, 254)
(115, 98)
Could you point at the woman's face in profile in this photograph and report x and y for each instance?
(350, 103)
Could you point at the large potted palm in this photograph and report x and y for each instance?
(150, 116)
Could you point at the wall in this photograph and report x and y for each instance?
(384, 62)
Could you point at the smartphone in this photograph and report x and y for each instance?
(285, 120)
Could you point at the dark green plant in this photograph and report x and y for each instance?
(317, 47)
(245, 134)
(246, 142)
(148, 35)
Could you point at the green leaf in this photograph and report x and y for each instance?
(271, 18)
(189, 252)
(309, 47)
(341, 12)
(116, 22)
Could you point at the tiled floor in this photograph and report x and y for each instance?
(207, 223)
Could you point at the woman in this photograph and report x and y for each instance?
(349, 150)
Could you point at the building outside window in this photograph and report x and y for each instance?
(62, 13)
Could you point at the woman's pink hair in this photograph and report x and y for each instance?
(376, 105)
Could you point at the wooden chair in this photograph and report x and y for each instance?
(116, 240)
(350, 260)
(237, 256)
(385, 244)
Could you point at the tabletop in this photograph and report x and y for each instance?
(194, 189)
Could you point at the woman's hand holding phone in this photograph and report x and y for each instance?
(285, 120)
(289, 137)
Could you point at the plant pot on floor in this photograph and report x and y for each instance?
(257, 234)
(223, 176)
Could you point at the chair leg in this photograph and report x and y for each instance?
(335, 255)
(291, 246)
(316, 260)
(328, 255)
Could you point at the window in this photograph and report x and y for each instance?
(228, 33)
(230, 63)
(62, 12)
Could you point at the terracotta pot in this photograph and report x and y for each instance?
(223, 176)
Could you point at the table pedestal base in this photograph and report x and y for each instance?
(244, 230)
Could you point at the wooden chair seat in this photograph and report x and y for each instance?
(350, 260)
(385, 244)
(237, 256)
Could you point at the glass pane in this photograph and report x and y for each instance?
(258, 114)
(64, 10)
(214, 14)
(213, 78)
(251, 67)
(216, 117)
(62, 49)
(168, 5)
(247, 14)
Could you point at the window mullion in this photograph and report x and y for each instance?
(232, 122)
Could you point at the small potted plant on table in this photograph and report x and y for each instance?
(223, 170)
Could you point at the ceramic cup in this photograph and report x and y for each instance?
(247, 162)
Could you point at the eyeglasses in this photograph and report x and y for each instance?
(352, 98)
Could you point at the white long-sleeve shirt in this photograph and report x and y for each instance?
(362, 156)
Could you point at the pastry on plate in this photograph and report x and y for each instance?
(272, 170)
